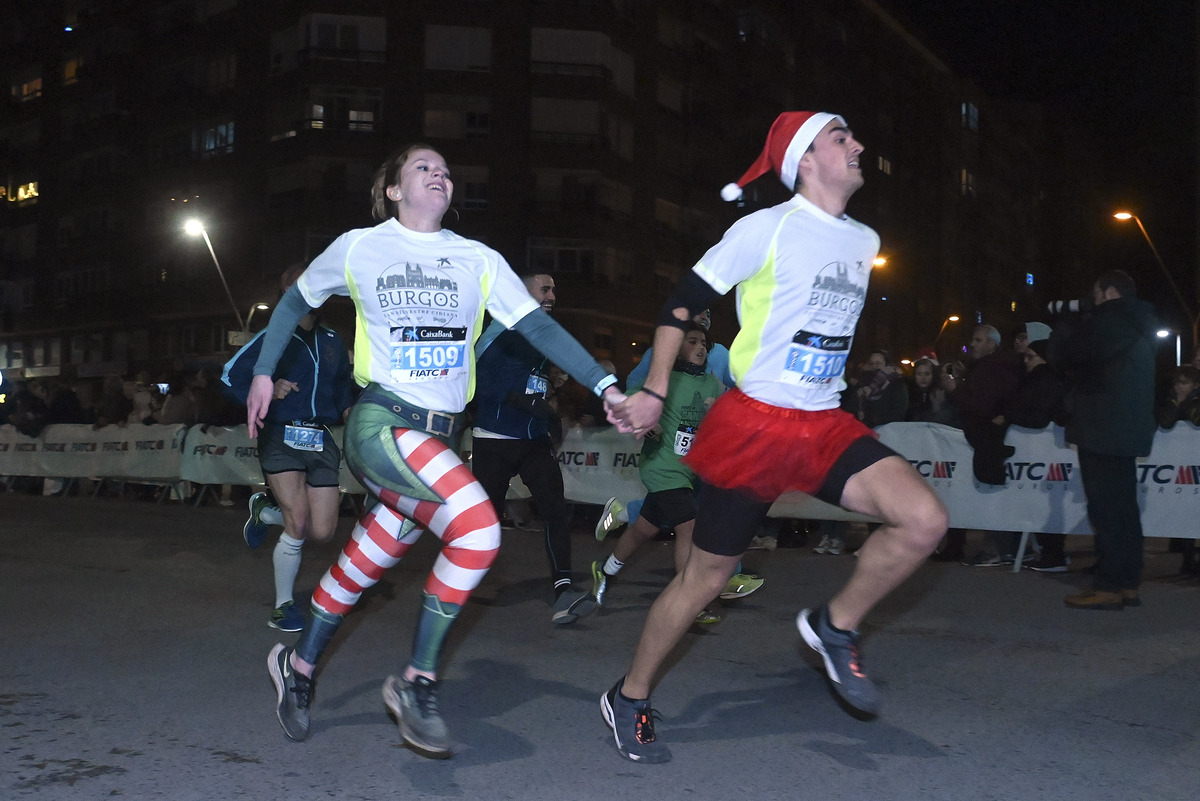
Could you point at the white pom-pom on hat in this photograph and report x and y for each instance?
(731, 192)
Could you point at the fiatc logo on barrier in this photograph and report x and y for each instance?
(1185, 478)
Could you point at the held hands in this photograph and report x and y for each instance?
(635, 414)
(262, 389)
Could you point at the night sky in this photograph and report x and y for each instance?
(1125, 73)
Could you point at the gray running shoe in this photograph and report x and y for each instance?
(414, 705)
(632, 724)
(572, 605)
(294, 692)
(843, 661)
(599, 583)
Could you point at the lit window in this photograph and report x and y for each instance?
(215, 140)
(967, 183)
(71, 71)
(885, 166)
(970, 116)
(27, 90)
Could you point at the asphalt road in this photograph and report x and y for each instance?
(133, 652)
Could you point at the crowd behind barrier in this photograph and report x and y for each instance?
(1043, 492)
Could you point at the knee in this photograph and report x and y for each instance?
(923, 522)
(929, 523)
(321, 534)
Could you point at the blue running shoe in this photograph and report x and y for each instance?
(287, 618)
(255, 530)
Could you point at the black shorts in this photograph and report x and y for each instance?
(320, 468)
(668, 508)
(728, 519)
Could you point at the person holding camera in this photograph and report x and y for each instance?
(1107, 357)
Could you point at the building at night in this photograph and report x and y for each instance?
(587, 138)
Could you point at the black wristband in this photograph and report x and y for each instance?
(653, 394)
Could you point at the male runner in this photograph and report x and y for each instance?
(801, 269)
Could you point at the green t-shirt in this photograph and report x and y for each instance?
(688, 400)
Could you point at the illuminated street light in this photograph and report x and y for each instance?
(951, 319)
(1163, 333)
(879, 261)
(1125, 216)
(194, 227)
(255, 308)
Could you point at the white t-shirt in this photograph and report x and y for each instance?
(801, 276)
(420, 299)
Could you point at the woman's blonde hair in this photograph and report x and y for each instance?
(382, 207)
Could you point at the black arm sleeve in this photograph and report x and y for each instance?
(692, 293)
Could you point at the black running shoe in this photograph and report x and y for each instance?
(295, 693)
(843, 660)
(632, 724)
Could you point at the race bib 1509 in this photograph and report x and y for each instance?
(423, 353)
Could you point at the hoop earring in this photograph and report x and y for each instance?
(456, 215)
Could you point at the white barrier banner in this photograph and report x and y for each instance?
(220, 455)
(216, 455)
(135, 452)
(1044, 492)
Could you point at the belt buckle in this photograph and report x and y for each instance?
(440, 423)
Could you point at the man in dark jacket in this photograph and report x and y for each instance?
(980, 396)
(1109, 361)
(296, 449)
(512, 436)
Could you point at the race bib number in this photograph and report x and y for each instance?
(304, 439)
(537, 385)
(815, 359)
(425, 353)
(683, 440)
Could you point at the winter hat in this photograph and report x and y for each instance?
(1037, 331)
(1039, 336)
(789, 138)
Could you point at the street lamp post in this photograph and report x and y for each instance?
(951, 319)
(1192, 318)
(194, 227)
(250, 316)
(1163, 333)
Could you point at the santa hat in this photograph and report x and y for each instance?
(789, 138)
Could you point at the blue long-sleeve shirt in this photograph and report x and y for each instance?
(315, 360)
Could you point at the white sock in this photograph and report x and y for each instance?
(287, 566)
(613, 566)
(271, 516)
